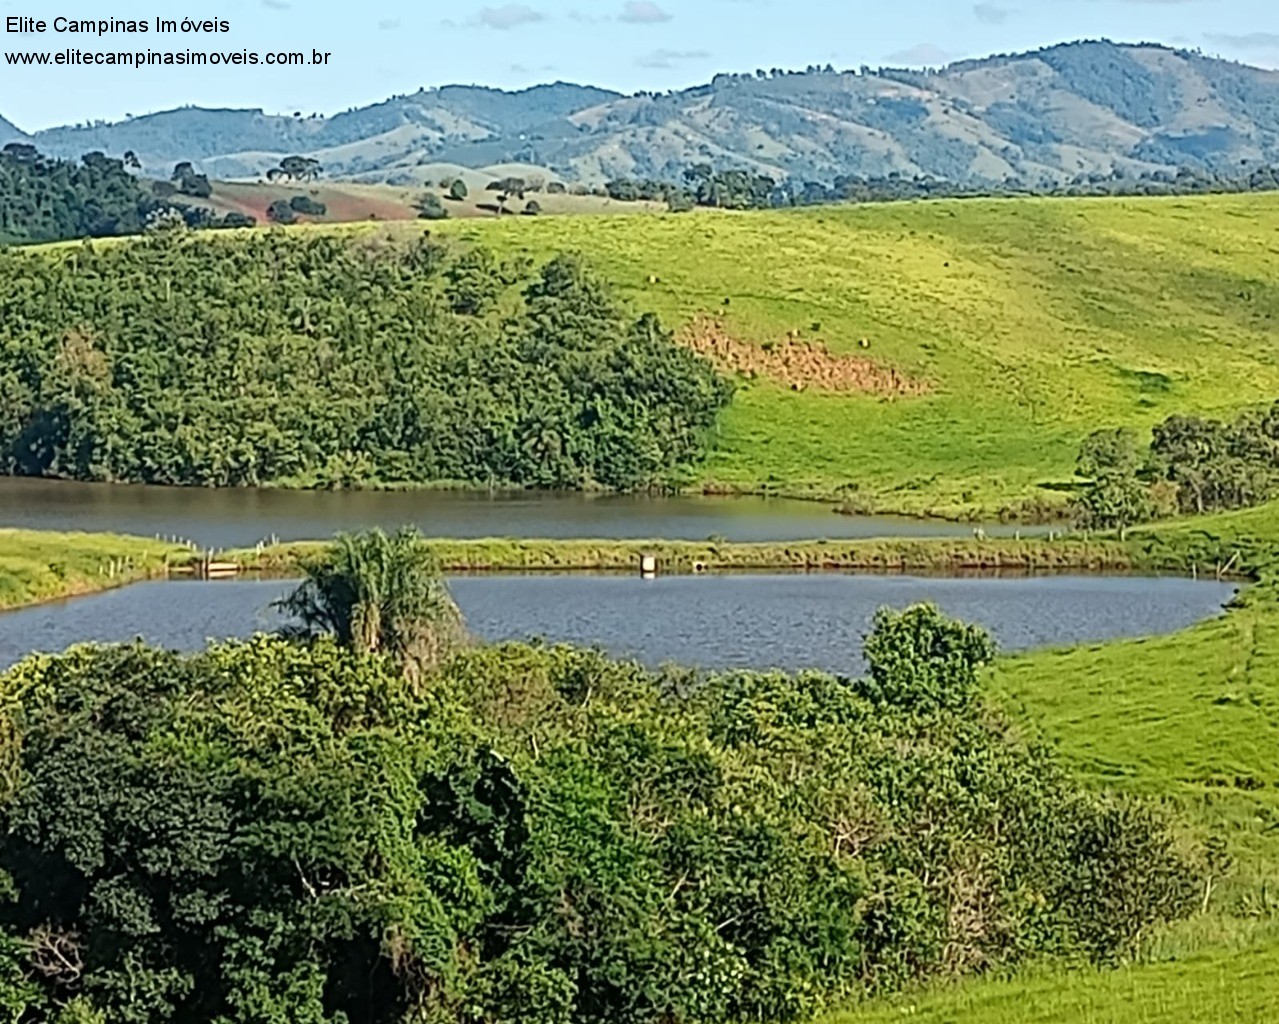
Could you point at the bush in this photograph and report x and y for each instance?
(307, 206)
(535, 834)
(922, 661)
(429, 207)
(281, 212)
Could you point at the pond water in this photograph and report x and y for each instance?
(242, 517)
(720, 621)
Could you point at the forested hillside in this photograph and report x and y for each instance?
(48, 200)
(328, 361)
(43, 199)
(1035, 119)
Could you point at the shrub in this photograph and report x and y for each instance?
(534, 834)
(308, 206)
(281, 212)
(921, 660)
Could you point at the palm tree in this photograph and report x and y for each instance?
(380, 594)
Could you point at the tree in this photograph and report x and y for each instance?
(1115, 497)
(458, 190)
(250, 854)
(299, 168)
(307, 206)
(921, 660)
(1109, 451)
(380, 594)
(429, 207)
(281, 212)
(532, 208)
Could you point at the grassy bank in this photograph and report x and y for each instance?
(933, 555)
(37, 566)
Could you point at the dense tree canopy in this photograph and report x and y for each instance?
(43, 199)
(336, 361)
(1193, 465)
(291, 832)
(46, 200)
(703, 185)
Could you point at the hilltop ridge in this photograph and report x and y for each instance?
(1036, 118)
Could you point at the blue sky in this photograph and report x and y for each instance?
(383, 47)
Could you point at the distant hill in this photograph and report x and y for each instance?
(9, 133)
(1036, 118)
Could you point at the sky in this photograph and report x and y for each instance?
(381, 48)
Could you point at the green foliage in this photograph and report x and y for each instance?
(43, 199)
(226, 838)
(307, 206)
(376, 593)
(537, 835)
(1115, 497)
(458, 190)
(322, 360)
(429, 207)
(1207, 465)
(1218, 465)
(921, 660)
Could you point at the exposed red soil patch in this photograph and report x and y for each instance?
(798, 363)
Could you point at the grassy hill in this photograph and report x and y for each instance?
(349, 201)
(1027, 322)
(940, 357)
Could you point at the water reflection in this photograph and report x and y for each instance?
(242, 517)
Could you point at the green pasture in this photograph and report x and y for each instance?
(1033, 320)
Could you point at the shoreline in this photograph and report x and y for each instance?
(40, 567)
(837, 502)
(496, 555)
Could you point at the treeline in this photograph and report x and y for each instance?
(47, 200)
(702, 185)
(296, 831)
(1192, 465)
(336, 362)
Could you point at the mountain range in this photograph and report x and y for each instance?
(1035, 118)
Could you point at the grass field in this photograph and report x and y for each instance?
(37, 566)
(348, 201)
(1033, 320)
(1213, 987)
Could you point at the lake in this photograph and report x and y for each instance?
(788, 621)
(242, 517)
